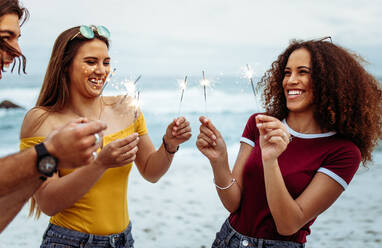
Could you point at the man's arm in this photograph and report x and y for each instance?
(19, 179)
(73, 145)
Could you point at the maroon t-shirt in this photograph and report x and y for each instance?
(305, 155)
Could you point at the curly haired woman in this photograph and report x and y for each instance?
(323, 117)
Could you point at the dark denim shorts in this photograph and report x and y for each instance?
(228, 237)
(60, 237)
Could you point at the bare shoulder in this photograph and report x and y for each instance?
(122, 105)
(37, 123)
(120, 110)
(120, 100)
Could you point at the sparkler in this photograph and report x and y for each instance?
(248, 73)
(182, 86)
(108, 80)
(135, 104)
(204, 82)
(130, 87)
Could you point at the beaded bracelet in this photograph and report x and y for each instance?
(165, 147)
(223, 188)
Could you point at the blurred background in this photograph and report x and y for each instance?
(166, 40)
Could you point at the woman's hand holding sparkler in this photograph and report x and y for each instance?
(118, 153)
(274, 137)
(178, 132)
(211, 143)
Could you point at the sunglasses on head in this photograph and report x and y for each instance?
(88, 32)
(326, 38)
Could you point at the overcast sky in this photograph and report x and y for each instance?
(177, 37)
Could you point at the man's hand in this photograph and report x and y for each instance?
(74, 143)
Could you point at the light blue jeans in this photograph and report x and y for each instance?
(228, 237)
(60, 237)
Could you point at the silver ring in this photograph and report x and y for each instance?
(98, 139)
(95, 155)
(290, 138)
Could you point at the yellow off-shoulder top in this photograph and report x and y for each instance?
(103, 210)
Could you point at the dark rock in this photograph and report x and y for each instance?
(8, 104)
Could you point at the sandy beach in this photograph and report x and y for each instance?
(183, 211)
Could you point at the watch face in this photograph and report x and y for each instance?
(47, 165)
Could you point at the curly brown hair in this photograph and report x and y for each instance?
(347, 98)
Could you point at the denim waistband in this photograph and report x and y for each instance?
(229, 235)
(84, 239)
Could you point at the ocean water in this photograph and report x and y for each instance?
(182, 209)
(229, 104)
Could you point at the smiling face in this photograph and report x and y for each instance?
(297, 82)
(89, 69)
(9, 32)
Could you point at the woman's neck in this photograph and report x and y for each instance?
(303, 123)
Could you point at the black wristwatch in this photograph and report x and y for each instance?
(46, 163)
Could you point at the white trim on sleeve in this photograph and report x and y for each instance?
(247, 141)
(334, 176)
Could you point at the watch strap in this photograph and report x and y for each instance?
(41, 153)
(41, 150)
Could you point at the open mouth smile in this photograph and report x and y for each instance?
(98, 82)
(294, 92)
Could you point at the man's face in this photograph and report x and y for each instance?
(9, 32)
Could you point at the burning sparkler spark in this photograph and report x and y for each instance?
(248, 73)
(130, 88)
(204, 82)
